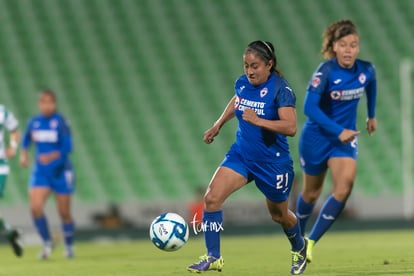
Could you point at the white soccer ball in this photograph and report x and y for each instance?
(169, 232)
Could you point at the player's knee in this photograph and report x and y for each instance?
(212, 201)
(277, 217)
(36, 210)
(311, 196)
(65, 216)
(342, 192)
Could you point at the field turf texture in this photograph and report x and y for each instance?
(339, 253)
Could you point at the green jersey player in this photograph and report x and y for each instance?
(8, 123)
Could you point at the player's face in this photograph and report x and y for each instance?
(47, 104)
(347, 49)
(256, 70)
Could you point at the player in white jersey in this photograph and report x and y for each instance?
(10, 124)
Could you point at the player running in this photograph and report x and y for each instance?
(329, 136)
(52, 171)
(8, 122)
(264, 105)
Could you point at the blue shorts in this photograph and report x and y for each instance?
(315, 150)
(274, 180)
(62, 183)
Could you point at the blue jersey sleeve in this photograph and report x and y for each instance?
(285, 97)
(26, 141)
(312, 110)
(316, 88)
(371, 91)
(66, 138)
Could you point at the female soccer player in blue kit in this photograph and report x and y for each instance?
(264, 105)
(329, 136)
(52, 171)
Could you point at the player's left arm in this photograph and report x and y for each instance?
(371, 91)
(13, 143)
(12, 125)
(286, 125)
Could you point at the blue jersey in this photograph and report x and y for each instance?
(49, 134)
(255, 143)
(338, 91)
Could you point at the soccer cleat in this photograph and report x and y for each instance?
(69, 252)
(299, 260)
(311, 243)
(46, 251)
(14, 239)
(207, 263)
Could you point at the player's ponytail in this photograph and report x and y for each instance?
(266, 51)
(334, 32)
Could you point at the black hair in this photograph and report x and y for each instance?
(50, 93)
(266, 51)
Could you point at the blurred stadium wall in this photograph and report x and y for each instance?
(140, 81)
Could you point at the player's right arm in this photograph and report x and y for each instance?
(316, 88)
(26, 141)
(227, 115)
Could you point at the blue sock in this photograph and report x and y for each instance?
(303, 212)
(295, 237)
(42, 228)
(68, 233)
(212, 225)
(327, 215)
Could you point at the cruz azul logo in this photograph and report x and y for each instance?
(241, 104)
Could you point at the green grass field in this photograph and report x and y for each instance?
(339, 253)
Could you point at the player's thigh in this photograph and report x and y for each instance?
(274, 180)
(38, 196)
(343, 170)
(312, 186)
(63, 203)
(342, 163)
(314, 151)
(63, 183)
(225, 181)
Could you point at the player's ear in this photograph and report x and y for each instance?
(335, 46)
(269, 64)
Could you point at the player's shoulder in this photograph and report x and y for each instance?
(61, 119)
(282, 84)
(280, 80)
(37, 117)
(365, 65)
(242, 80)
(326, 66)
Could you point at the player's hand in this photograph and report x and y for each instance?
(24, 160)
(348, 135)
(10, 152)
(250, 116)
(210, 133)
(371, 126)
(46, 158)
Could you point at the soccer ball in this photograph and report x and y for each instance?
(169, 232)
